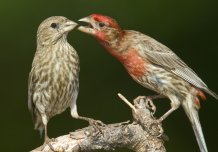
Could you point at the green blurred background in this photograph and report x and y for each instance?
(189, 27)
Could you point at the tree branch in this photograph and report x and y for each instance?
(144, 134)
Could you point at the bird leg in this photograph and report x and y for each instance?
(174, 105)
(95, 123)
(45, 122)
(166, 114)
(92, 121)
(46, 138)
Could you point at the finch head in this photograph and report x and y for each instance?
(54, 28)
(102, 27)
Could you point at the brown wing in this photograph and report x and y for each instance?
(161, 55)
(31, 85)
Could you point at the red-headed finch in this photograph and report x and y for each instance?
(54, 78)
(152, 65)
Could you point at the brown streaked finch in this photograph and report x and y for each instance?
(154, 66)
(54, 78)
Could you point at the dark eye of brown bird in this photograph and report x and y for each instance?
(101, 24)
(54, 25)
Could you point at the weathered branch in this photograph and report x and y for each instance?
(144, 134)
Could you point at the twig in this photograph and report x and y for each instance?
(126, 101)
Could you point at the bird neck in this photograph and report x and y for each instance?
(129, 57)
(55, 47)
(51, 40)
(112, 42)
(124, 52)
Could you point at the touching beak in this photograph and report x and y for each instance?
(86, 29)
(69, 25)
(85, 19)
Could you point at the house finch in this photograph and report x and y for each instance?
(54, 77)
(154, 66)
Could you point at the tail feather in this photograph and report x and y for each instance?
(210, 92)
(192, 114)
(38, 124)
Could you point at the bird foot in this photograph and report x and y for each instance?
(150, 105)
(97, 124)
(48, 142)
(148, 102)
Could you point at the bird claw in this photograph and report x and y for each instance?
(97, 124)
(139, 98)
(156, 129)
(148, 102)
(150, 105)
(48, 142)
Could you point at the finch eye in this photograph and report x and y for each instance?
(101, 24)
(54, 25)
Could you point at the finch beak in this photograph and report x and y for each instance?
(87, 29)
(69, 25)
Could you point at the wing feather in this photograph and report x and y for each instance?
(161, 55)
